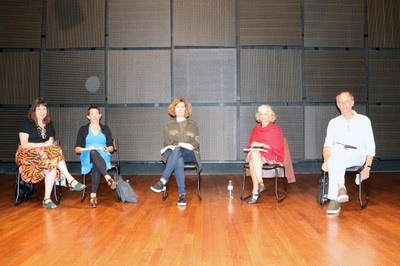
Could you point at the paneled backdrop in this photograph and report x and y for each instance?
(132, 57)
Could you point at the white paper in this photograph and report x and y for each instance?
(254, 149)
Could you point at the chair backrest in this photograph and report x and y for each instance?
(116, 152)
(287, 163)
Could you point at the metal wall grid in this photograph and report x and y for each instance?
(367, 88)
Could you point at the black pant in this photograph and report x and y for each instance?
(98, 170)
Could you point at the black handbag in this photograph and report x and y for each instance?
(323, 185)
(23, 190)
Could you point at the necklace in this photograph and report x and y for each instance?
(41, 131)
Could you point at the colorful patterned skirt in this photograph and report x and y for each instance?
(35, 163)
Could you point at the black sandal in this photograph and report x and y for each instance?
(93, 202)
(261, 188)
(254, 198)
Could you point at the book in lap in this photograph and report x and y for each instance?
(172, 147)
(254, 149)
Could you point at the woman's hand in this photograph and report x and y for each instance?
(186, 145)
(49, 142)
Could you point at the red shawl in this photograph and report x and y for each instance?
(272, 136)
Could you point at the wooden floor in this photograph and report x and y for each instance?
(214, 231)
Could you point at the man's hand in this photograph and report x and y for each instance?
(365, 173)
(324, 167)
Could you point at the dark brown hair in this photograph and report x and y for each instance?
(92, 107)
(36, 103)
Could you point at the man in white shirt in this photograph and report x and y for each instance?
(349, 142)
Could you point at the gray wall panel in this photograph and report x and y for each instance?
(20, 23)
(217, 126)
(272, 22)
(329, 72)
(270, 75)
(9, 138)
(139, 23)
(384, 23)
(384, 76)
(139, 76)
(204, 23)
(75, 23)
(205, 75)
(337, 23)
(74, 77)
(19, 77)
(386, 126)
(139, 130)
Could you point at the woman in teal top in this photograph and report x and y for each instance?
(94, 144)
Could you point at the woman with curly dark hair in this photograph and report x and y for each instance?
(182, 144)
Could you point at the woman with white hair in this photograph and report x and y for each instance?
(268, 137)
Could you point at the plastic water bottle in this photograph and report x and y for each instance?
(230, 189)
(358, 179)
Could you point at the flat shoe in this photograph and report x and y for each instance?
(78, 186)
(49, 205)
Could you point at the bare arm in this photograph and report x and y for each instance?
(368, 163)
(24, 137)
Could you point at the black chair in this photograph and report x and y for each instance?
(188, 167)
(278, 170)
(363, 183)
(24, 189)
(115, 166)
